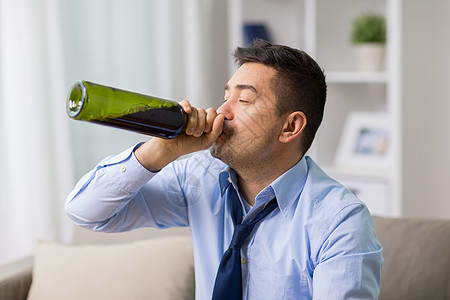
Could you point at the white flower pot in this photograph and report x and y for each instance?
(370, 56)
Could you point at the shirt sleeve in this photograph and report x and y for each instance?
(349, 260)
(119, 194)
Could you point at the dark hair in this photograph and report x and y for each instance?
(299, 84)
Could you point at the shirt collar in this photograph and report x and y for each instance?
(286, 188)
(289, 185)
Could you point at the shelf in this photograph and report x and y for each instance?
(356, 77)
(367, 173)
(321, 28)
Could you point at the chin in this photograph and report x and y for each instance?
(217, 147)
(214, 150)
(218, 151)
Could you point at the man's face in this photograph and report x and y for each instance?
(251, 126)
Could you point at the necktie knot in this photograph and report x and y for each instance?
(241, 232)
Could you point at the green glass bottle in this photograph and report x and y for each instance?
(127, 110)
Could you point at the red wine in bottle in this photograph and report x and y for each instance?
(127, 110)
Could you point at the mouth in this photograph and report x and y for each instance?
(224, 135)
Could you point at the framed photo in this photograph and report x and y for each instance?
(365, 141)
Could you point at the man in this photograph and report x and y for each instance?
(318, 241)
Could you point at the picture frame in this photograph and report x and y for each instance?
(365, 141)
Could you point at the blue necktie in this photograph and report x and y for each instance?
(228, 284)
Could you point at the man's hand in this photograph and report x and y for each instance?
(203, 128)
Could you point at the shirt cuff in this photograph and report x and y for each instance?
(126, 171)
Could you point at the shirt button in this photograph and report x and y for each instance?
(243, 261)
(123, 168)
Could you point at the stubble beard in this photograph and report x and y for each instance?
(240, 153)
(222, 148)
(217, 147)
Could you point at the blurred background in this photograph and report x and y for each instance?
(180, 49)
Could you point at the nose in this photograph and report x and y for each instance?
(227, 110)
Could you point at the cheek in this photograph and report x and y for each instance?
(254, 119)
(262, 115)
(259, 122)
(250, 131)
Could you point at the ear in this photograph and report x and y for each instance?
(294, 125)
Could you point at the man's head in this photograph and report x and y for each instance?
(273, 102)
(298, 85)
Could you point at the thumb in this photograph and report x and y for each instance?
(217, 128)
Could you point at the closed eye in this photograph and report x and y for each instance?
(240, 100)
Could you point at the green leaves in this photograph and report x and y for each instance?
(369, 28)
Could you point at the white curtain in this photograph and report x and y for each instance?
(174, 49)
(35, 173)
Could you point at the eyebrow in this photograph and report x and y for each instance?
(243, 87)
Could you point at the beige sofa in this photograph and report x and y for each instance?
(416, 253)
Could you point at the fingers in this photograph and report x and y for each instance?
(192, 117)
(211, 114)
(186, 106)
(217, 127)
(192, 122)
(199, 120)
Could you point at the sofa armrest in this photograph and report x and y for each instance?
(416, 258)
(15, 279)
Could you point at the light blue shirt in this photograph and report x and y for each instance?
(319, 243)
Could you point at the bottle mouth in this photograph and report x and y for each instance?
(76, 99)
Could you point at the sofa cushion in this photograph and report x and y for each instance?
(416, 258)
(16, 286)
(160, 268)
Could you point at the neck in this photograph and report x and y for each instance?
(252, 180)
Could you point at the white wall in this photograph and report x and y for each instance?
(426, 108)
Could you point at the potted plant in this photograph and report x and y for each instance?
(369, 39)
